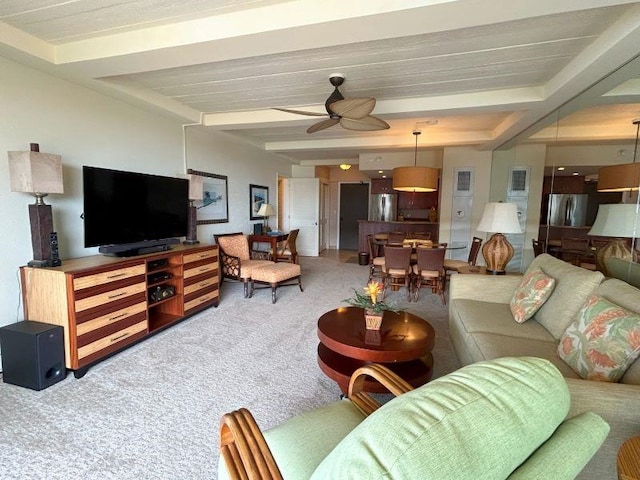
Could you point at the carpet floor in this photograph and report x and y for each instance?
(152, 411)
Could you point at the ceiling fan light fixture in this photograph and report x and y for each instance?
(624, 177)
(345, 166)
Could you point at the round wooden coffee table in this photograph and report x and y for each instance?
(403, 344)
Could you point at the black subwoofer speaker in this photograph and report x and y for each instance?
(32, 354)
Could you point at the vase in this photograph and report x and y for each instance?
(373, 320)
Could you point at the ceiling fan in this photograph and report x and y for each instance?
(350, 113)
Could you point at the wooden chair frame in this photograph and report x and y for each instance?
(290, 245)
(244, 449)
(230, 266)
(398, 258)
(430, 259)
(375, 271)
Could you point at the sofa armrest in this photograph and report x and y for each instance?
(488, 288)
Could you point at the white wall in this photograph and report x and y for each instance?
(87, 128)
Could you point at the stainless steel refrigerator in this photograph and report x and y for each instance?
(383, 207)
(568, 209)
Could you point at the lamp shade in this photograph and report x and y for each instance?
(500, 217)
(266, 210)
(196, 186)
(415, 179)
(616, 220)
(619, 178)
(35, 172)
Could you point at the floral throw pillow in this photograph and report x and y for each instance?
(602, 342)
(535, 288)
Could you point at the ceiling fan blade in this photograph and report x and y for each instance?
(364, 124)
(301, 112)
(316, 127)
(353, 107)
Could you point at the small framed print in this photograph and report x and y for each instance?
(258, 195)
(214, 207)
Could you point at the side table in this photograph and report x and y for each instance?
(629, 460)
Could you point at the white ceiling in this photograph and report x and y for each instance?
(485, 69)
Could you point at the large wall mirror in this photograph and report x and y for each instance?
(560, 161)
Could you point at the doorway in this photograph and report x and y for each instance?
(354, 206)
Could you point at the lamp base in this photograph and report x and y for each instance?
(497, 252)
(41, 219)
(496, 272)
(40, 263)
(192, 234)
(618, 248)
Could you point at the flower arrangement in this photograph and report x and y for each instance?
(369, 300)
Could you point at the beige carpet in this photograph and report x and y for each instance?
(152, 411)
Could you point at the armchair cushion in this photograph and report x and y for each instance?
(235, 245)
(602, 342)
(535, 289)
(487, 417)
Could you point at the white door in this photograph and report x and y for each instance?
(304, 213)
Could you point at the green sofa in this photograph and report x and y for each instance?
(502, 419)
(482, 327)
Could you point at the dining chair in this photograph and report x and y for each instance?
(575, 250)
(421, 235)
(397, 268)
(451, 265)
(288, 252)
(376, 263)
(396, 237)
(538, 246)
(429, 270)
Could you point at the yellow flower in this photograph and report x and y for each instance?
(373, 289)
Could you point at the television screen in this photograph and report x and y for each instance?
(127, 207)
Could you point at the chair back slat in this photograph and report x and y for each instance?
(475, 248)
(397, 257)
(431, 258)
(396, 237)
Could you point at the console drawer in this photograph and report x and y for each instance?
(194, 257)
(109, 318)
(199, 301)
(109, 296)
(204, 283)
(109, 276)
(200, 269)
(113, 339)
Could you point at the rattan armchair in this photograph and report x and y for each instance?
(243, 447)
(237, 260)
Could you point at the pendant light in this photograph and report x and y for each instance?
(624, 177)
(415, 179)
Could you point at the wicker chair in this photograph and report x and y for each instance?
(397, 268)
(451, 265)
(236, 260)
(245, 451)
(288, 252)
(376, 264)
(429, 270)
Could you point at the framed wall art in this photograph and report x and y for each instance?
(258, 195)
(214, 207)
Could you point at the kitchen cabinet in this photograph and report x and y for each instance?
(382, 185)
(417, 200)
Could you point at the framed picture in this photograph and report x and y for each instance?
(258, 195)
(214, 207)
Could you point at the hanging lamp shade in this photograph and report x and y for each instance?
(415, 179)
(624, 177)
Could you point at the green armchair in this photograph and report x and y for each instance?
(500, 419)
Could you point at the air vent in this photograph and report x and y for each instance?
(519, 181)
(464, 182)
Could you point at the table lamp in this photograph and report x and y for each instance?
(196, 192)
(38, 174)
(266, 210)
(620, 221)
(497, 251)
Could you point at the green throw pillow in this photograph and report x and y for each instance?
(534, 290)
(602, 342)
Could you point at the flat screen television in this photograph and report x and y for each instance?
(133, 210)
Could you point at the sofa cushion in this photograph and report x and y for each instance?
(602, 342)
(477, 316)
(573, 287)
(485, 418)
(533, 291)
